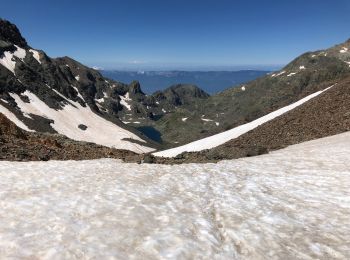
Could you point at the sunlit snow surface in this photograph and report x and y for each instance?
(290, 204)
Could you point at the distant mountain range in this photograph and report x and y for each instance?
(210, 81)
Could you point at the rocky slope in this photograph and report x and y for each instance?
(38, 90)
(19, 145)
(325, 115)
(241, 104)
(62, 96)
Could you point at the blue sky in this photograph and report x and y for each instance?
(180, 34)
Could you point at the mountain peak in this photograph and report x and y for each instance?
(135, 88)
(10, 33)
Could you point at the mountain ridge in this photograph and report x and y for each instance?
(63, 96)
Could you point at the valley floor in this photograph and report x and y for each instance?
(292, 203)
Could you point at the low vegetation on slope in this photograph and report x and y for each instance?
(327, 114)
(244, 103)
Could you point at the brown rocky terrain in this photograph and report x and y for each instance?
(327, 114)
(19, 145)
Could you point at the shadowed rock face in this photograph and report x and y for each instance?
(10, 33)
(181, 94)
(9, 129)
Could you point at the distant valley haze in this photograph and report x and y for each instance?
(210, 81)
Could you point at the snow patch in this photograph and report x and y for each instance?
(221, 138)
(8, 61)
(11, 116)
(124, 101)
(79, 95)
(291, 74)
(302, 67)
(343, 50)
(184, 119)
(100, 100)
(278, 74)
(243, 88)
(36, 55)
(99, 131)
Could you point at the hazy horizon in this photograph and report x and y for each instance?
(180, 35)
(199, 68)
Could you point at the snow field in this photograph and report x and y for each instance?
(290, 204)
(66, 121)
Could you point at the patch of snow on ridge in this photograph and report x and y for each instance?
(278, 74)
(289, 204)
(35, 55)
(7, 59)
(77, 78)
(124, 101)
(221, 138)
(291, 74)
(184, 119)
(302, 67)
(12, 117)
(343, 50)
(243, 88)
(100, 100)
(79, 95)
(99, 131)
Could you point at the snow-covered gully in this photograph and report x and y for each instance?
(290, 204)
